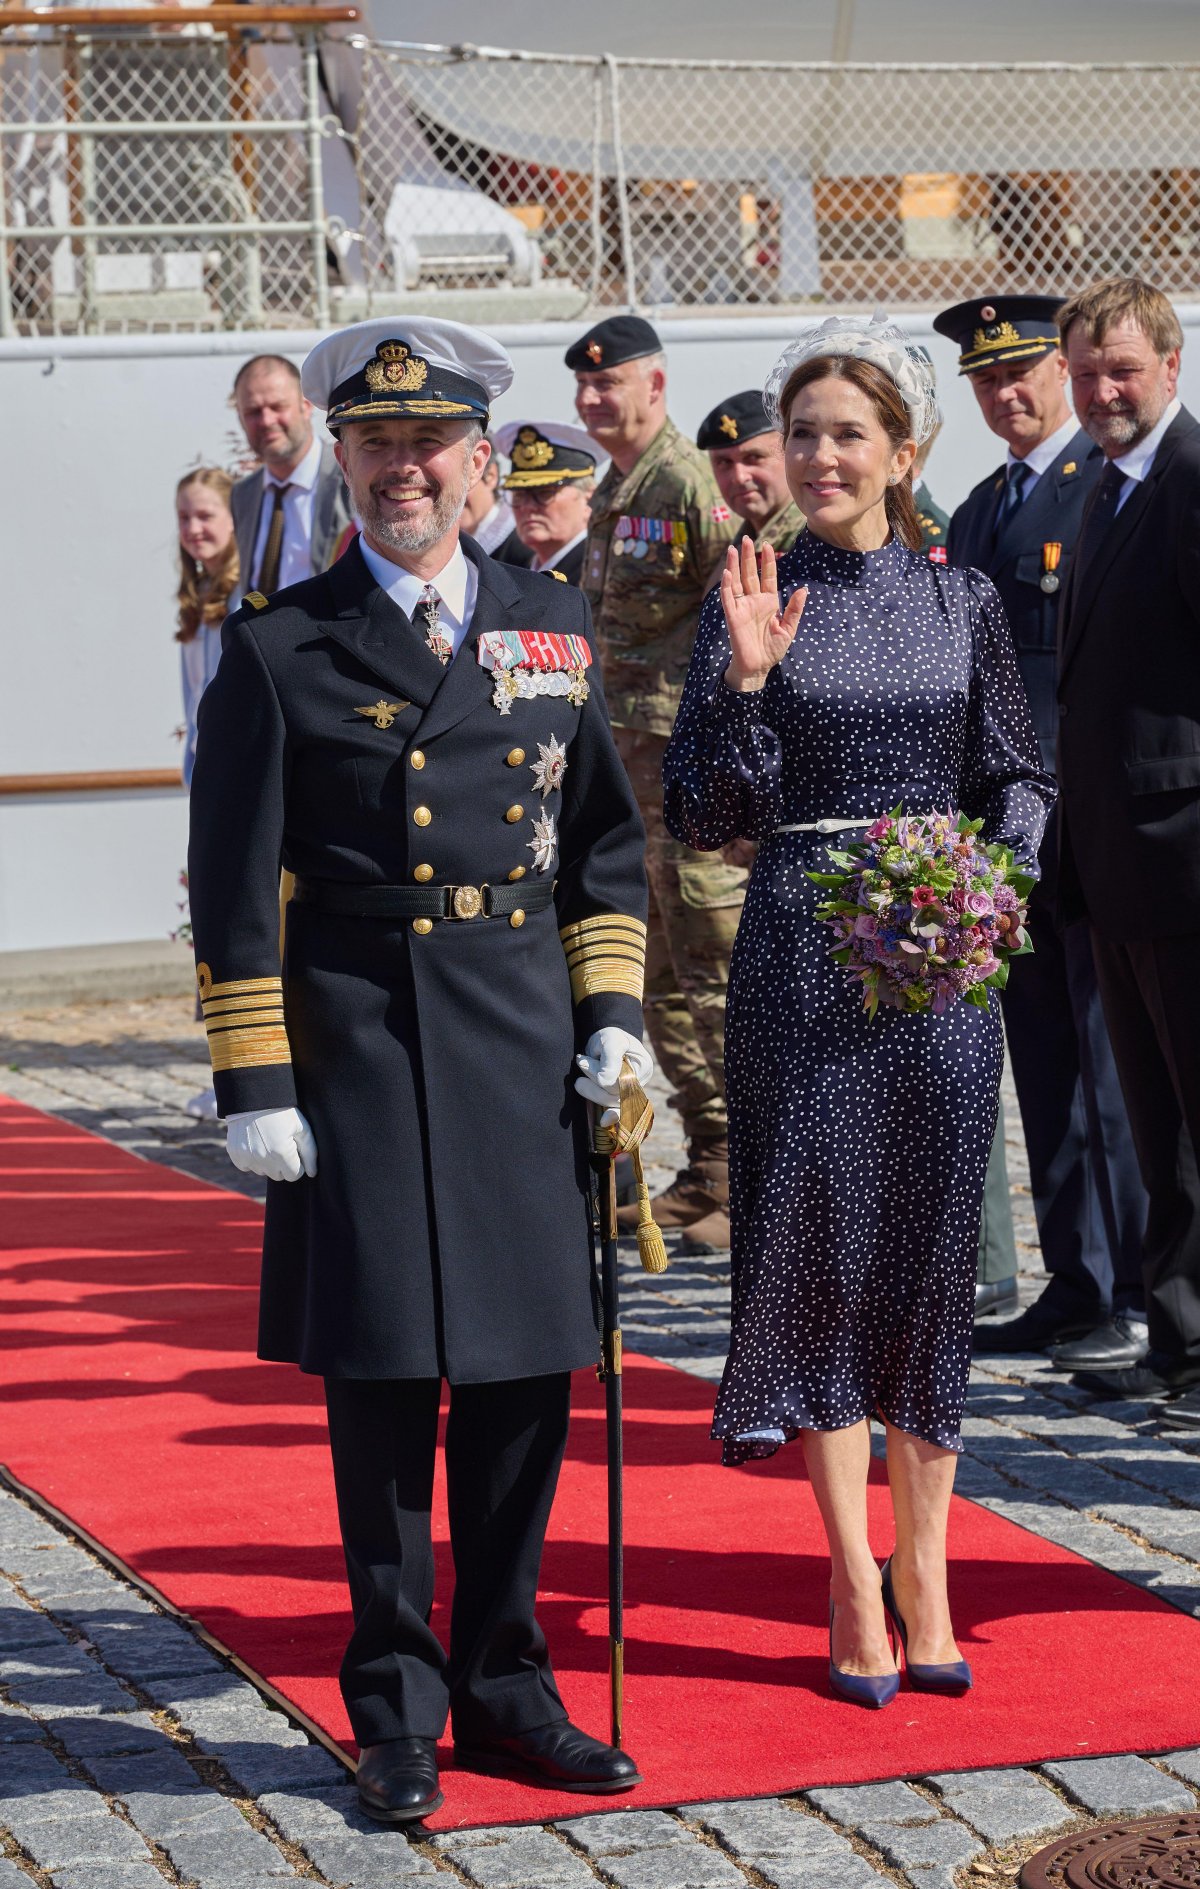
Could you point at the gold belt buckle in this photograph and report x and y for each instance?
(468, 901)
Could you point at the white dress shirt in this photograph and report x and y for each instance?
(560, 554)
(198, 660)
(295, 553)
(457, 585)
(1136, 463)
(1043, 456)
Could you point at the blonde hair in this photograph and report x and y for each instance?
(203, 596)
(1117, 298)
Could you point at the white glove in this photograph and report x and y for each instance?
(274, 1142)
(601, 1066)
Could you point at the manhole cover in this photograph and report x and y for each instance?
(1152, 1853)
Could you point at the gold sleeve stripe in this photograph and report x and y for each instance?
(248, 1049)
(222, 1026)
(237, 1006)
(603, 921)
(236, 987)
(605, 953)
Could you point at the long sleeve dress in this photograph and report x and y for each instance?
(857, 1147)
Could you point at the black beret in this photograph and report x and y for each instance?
(739, 418)
(620, 338)
(997, 328)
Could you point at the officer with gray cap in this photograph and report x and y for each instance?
(420, 736)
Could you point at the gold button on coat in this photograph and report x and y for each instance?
(422, 816)
(514, 814)
(518, 872)
(423, 874)
(422, 925)
(515, 756)
(417, 759)
(517, 919)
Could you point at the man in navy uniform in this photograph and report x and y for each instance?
(1020, 526)
(550, 486)
(420, 736)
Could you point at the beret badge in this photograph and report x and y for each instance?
(729, 426)
(595, 352)
(396, 370)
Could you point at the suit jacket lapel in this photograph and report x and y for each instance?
(377, 633)
(465, 685)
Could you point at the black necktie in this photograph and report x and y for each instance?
(1101, 513)
(268, 576)
(1014, 492)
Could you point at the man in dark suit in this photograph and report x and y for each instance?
(550, 486)
(420, 735)
(292, 516)
(1020, 526)
(1129, 767)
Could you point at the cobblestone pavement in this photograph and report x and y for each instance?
(132, 1755)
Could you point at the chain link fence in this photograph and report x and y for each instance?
(224, 177)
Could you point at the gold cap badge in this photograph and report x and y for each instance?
(531, 451)
(729, 426)
(594, 352)
(396, 369)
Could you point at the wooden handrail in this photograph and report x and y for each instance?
(122, 780)
(223, 16)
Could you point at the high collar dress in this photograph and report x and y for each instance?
(857, 1147)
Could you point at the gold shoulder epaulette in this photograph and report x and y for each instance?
(560, 575)
(255, 599)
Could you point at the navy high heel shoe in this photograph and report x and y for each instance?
(872, 1689)
(954, 1677)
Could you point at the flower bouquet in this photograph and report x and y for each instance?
(923, 913)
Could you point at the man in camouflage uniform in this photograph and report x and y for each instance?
(745, 452)
(658, 536)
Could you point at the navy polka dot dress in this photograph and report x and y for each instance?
(857, 1148)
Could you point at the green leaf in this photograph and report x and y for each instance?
(976, 995)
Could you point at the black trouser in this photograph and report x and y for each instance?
(1152, 1005)
(1083, 1171)
(504, 1447)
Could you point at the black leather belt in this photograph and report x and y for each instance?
(424, 901)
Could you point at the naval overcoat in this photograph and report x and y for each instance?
(446, 1232)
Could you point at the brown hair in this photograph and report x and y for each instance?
(265, 360)
(204, 596)
(892, 414)
(1104, 305)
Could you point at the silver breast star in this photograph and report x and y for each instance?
(544, 841)
(549, 769)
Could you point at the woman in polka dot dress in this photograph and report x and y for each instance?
(853, 677)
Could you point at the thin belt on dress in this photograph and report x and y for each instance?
(825, 826)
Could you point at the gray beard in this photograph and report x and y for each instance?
(398, 534)
(1119, 429)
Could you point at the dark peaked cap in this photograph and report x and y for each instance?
(998, 328)
(620, 338)
(737, 419)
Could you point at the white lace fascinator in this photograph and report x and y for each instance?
(878, 341)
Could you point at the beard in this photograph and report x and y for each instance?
(1120, 426)
(413, 535)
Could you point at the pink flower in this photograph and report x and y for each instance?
(865, 925)
(979, 904)
(924, 895)
(880, 829)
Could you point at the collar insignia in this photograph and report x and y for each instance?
(1070, 466)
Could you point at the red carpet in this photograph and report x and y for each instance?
(134, 1403)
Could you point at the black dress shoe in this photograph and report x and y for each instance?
(1111, 1347)
(1035, 1329)
(1156, 1377)
(1184, 1413)
(398, 1781)
(994, 1296)
(559, 1755)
